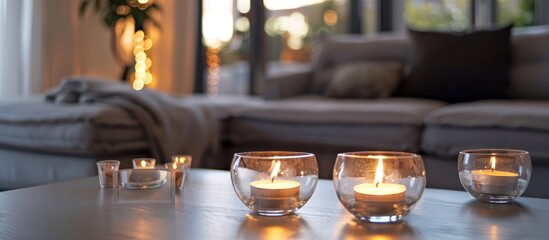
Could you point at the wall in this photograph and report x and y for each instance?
(74, 45)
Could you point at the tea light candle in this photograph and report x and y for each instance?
(106, 171)
(184, 160)
(144, 163)
(491, 181)
(275, 188)
(273, 193)
(378, 192)
(178, 171)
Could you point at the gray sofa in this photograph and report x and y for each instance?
(299, 118)
(296, 117)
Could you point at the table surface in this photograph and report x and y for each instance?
(208, 208)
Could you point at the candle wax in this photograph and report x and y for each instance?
(494, 182)
(275, 195)
(382, 193)
(276, 188)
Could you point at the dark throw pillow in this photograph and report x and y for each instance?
(367, 79)
(459, 67)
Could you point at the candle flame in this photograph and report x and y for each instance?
(379, 172)
(143, 163)
(493, 162)
(275, 170)
(180, 160)
(174, 165)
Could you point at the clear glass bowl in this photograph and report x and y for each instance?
(379, 186)
(494, 175)
(142, 178)
(274, 183)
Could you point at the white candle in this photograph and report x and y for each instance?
(178, 171)
(275, 188)
(492, 181)
(274, 193)
(378, 192)
(144, 163)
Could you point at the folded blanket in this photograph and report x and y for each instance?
(172, 126)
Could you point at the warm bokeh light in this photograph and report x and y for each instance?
(143, 1)
(213, 62)
(296, 27)
(330, 17)
(142, 76)
(147, 44)
(217, 22)
(290, 4)
(243, 6)
(123, 10)
(494, 232)
(124, 31)
(242, 24)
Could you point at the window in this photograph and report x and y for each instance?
(519, 12)
(225, 36)
(292, 26)
(444, 15)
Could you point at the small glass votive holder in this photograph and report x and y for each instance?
(379, 186)
(179, 173)
(184, 160)
(494, 175)
(146, 186)
(143, 178)
(144, 163)
(274, 183)
(107, 171)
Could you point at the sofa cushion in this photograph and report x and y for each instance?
(380, 124)
(66, 128)
(459, 67)
(365, 79)
(530, 44)
(530, 80)
(488, 124)
(332, 51)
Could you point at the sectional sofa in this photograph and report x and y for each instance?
(302, 119)
(290, 115)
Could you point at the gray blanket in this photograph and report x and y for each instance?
(172, 125)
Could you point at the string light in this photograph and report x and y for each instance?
(213, 62)
(143, 63)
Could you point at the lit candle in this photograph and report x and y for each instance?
(108, 171)
(144, 163)
(185, 161)
(177, 169)
(491, 181)
(274, 193)
(378, 192)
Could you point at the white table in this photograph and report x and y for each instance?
(208, 208)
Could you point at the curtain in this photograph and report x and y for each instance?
(43, 41)
(20, 47)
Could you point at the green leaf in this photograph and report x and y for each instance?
(83, 7)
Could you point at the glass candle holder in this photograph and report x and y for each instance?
(494, 175)
(178, 171)
(274, 183)
(185, 161)
(379, 186)
(143, 178)
(144, 163)
(107, 171)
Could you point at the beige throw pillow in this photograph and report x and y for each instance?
(368, 79)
